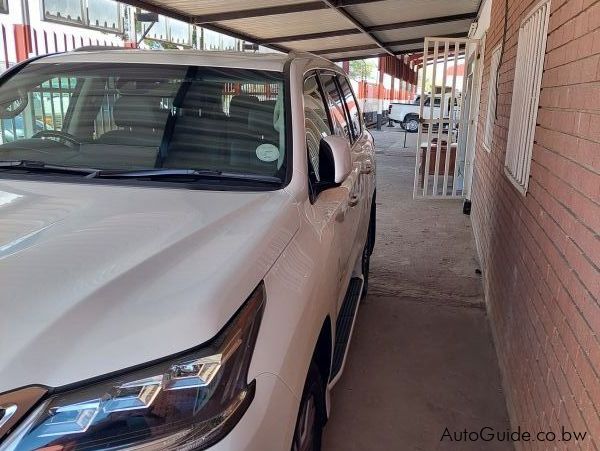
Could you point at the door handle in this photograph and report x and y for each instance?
(353, 201)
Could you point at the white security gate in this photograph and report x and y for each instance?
(445, 115)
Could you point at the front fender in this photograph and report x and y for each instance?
(300, 294)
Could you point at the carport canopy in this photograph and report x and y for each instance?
(336, 29)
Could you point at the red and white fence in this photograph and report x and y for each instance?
(19, 42)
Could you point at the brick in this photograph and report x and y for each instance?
(541, 253)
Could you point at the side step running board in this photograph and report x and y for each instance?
(344, 327)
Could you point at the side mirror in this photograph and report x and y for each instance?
(335, 161)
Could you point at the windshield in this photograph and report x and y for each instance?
(121, 117)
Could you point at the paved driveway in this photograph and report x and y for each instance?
(422, 358)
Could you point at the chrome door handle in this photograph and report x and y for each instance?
(353, 201)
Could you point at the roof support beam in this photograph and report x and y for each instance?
(273, 10)
(390, 26)
(344, 3)
(259, 12)
(387, 44)
(346, 49)
(360, 57)
(400, 53)
(422, 40)
(310, 36)
(159, 10)
(358, 25)
(424, 22)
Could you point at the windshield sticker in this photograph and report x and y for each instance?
(267, 152)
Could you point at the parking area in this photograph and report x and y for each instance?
(485, 321)
(422, 357)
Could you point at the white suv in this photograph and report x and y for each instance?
(183, 248)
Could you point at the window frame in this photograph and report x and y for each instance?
(528, 79)
(85, 19)
(333, 74)
(313, 192)
(490, 118)
(315, 72)
(4, 7)
(355, 133)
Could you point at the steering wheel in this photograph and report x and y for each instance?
(14, 106)
(63, 137)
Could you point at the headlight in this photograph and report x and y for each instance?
(187, 402)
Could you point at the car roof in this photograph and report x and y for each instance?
(258, 61)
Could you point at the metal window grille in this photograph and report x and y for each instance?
(490, 119)
(533, 34)
(104, 15)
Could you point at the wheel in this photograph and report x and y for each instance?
(411, 124)
(311, 414)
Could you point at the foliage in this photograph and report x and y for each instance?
(363, 70)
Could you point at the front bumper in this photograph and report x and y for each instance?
(269, 422)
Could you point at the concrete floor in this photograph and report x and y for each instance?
(421, 358)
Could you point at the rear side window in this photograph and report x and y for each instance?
(352, 106)
(336, 106)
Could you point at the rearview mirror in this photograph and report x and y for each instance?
(335, 162)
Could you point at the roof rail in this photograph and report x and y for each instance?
(92, 48)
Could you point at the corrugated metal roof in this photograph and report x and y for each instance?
(284, 24)
(333, 28)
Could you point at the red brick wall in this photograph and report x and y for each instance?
(541, 253)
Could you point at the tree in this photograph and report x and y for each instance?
(362, 70)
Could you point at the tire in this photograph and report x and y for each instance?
(311, 413)
(368, 250)
(411, 123)
(365, 266)
(372, 224)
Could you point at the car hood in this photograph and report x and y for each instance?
(98, 278)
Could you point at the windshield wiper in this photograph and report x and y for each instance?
(152, 174)
(40, 166)
(193, 174)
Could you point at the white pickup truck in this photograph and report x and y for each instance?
(407, 114)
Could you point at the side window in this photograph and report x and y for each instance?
(316, 121)
(352, 106)
(336, 106)
(437, 102)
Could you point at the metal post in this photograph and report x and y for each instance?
(380, 94)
